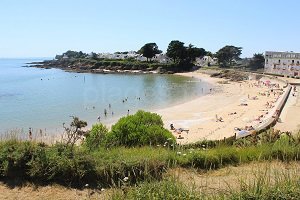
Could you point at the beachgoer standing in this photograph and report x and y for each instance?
(30, 134)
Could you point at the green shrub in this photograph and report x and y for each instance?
(142, 128)
(14, 157)
(96, 136)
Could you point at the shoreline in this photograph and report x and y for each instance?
(199, 115)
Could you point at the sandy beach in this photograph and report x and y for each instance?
(199, 116)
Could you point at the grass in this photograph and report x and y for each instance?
(139, 171)
(264, 184)
(169, 189)
(39, 162)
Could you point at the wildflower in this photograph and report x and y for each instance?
(125, 179)
(184, 154)
(178, 152)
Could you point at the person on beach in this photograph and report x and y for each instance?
(105, 112)
(30, 134)
(127, 112)
(98, 118)
(233, 113)
(172, 127)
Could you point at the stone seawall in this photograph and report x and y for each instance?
(273, 115)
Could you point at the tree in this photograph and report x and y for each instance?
(149, 50)
(208, 53)
(194, 52)
(74, 132)
(227, 54)
(142, 128)
(176, 51)
(257, 62)
(183, 55)
(93, 55)
(72, 54)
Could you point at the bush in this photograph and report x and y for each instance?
(96, 136)
(14, 157)
(143, 128)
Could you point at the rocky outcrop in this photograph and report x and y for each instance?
(106, 66)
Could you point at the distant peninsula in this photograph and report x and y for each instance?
(118, 62)
(149, 59)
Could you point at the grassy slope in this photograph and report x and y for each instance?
(260, 180)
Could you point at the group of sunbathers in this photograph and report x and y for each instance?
(178, 130)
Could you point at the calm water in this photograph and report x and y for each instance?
(45, 98)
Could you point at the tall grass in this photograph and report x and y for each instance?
(266, 185)
(42, 164)
(169, 189)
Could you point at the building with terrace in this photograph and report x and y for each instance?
(283, 63)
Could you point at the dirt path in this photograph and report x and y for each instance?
(51, 192)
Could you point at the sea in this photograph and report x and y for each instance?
(44, 99)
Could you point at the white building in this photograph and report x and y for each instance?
(129, 54)
(65, 56)
(206, 61)
(284, 63)
(161, 58)
(140, 58)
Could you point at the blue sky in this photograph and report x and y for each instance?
(44, 28)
